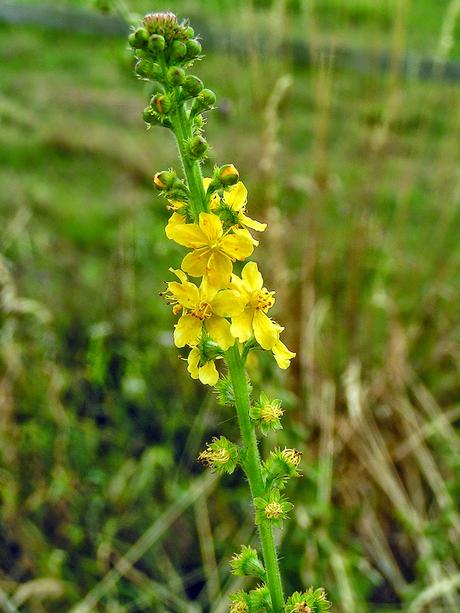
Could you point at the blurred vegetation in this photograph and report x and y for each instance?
(103, 507)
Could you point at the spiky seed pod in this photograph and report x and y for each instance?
(311, 601)
(221, 455)
(247, 564)
(272, 508)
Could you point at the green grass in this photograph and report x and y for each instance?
(100, 428)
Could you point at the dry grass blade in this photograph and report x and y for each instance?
(433, 592)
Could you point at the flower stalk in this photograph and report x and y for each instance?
(222, 316)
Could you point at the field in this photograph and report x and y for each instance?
(103, 505)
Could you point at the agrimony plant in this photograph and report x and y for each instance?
(222, 316)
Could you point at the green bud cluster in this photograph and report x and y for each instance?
(165, 49)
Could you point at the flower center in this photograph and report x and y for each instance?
(273, 510)
(203, 311)
(262, 300)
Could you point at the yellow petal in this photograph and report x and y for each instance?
(265, 330)
(175, 220)
(211, 227)
(187, 331)
(236, 196)
(180, 274)
(219, 270)
(206, 182)
(195, 262)
(185, 293)
(251, 223)
(219, 331)
(193, 361)
(241, 327)
(208, 374)
(187, 234)
(228, 303)
(252, 278)
(238, 246)
(282, 354)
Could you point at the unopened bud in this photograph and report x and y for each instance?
(197, 147)
(193, 48)
(148, 70)
(203, 102)
(189, 32)
(156, 43)
(161, 103)
(178, 50)
(228, 175)
(140, 38)
(192, 85)
(164, 179)
(176, 75)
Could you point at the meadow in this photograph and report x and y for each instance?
(103, 506)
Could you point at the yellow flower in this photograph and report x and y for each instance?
(206, 373)
(236, 197)
(204, 305)
(213, 251)
(258, 301)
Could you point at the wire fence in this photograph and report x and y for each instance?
(343, 57)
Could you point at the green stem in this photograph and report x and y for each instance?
(253, 471)
(192, 169)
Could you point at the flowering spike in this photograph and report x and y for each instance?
(220, 315)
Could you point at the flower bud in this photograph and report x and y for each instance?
(192, 85)
(197, 147)
(193, 48)
(176, 75)
(161, 103)
(189, 32)
(208, 97)
(156, 43)
(178, 50)
(228, 175)
(148, 69)
(165, 179)
(140, 38)
(203, 102)
(150, 116)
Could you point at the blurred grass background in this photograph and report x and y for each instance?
(103, 506)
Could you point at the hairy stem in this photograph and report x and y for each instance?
(192, 169)
(252, 467)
